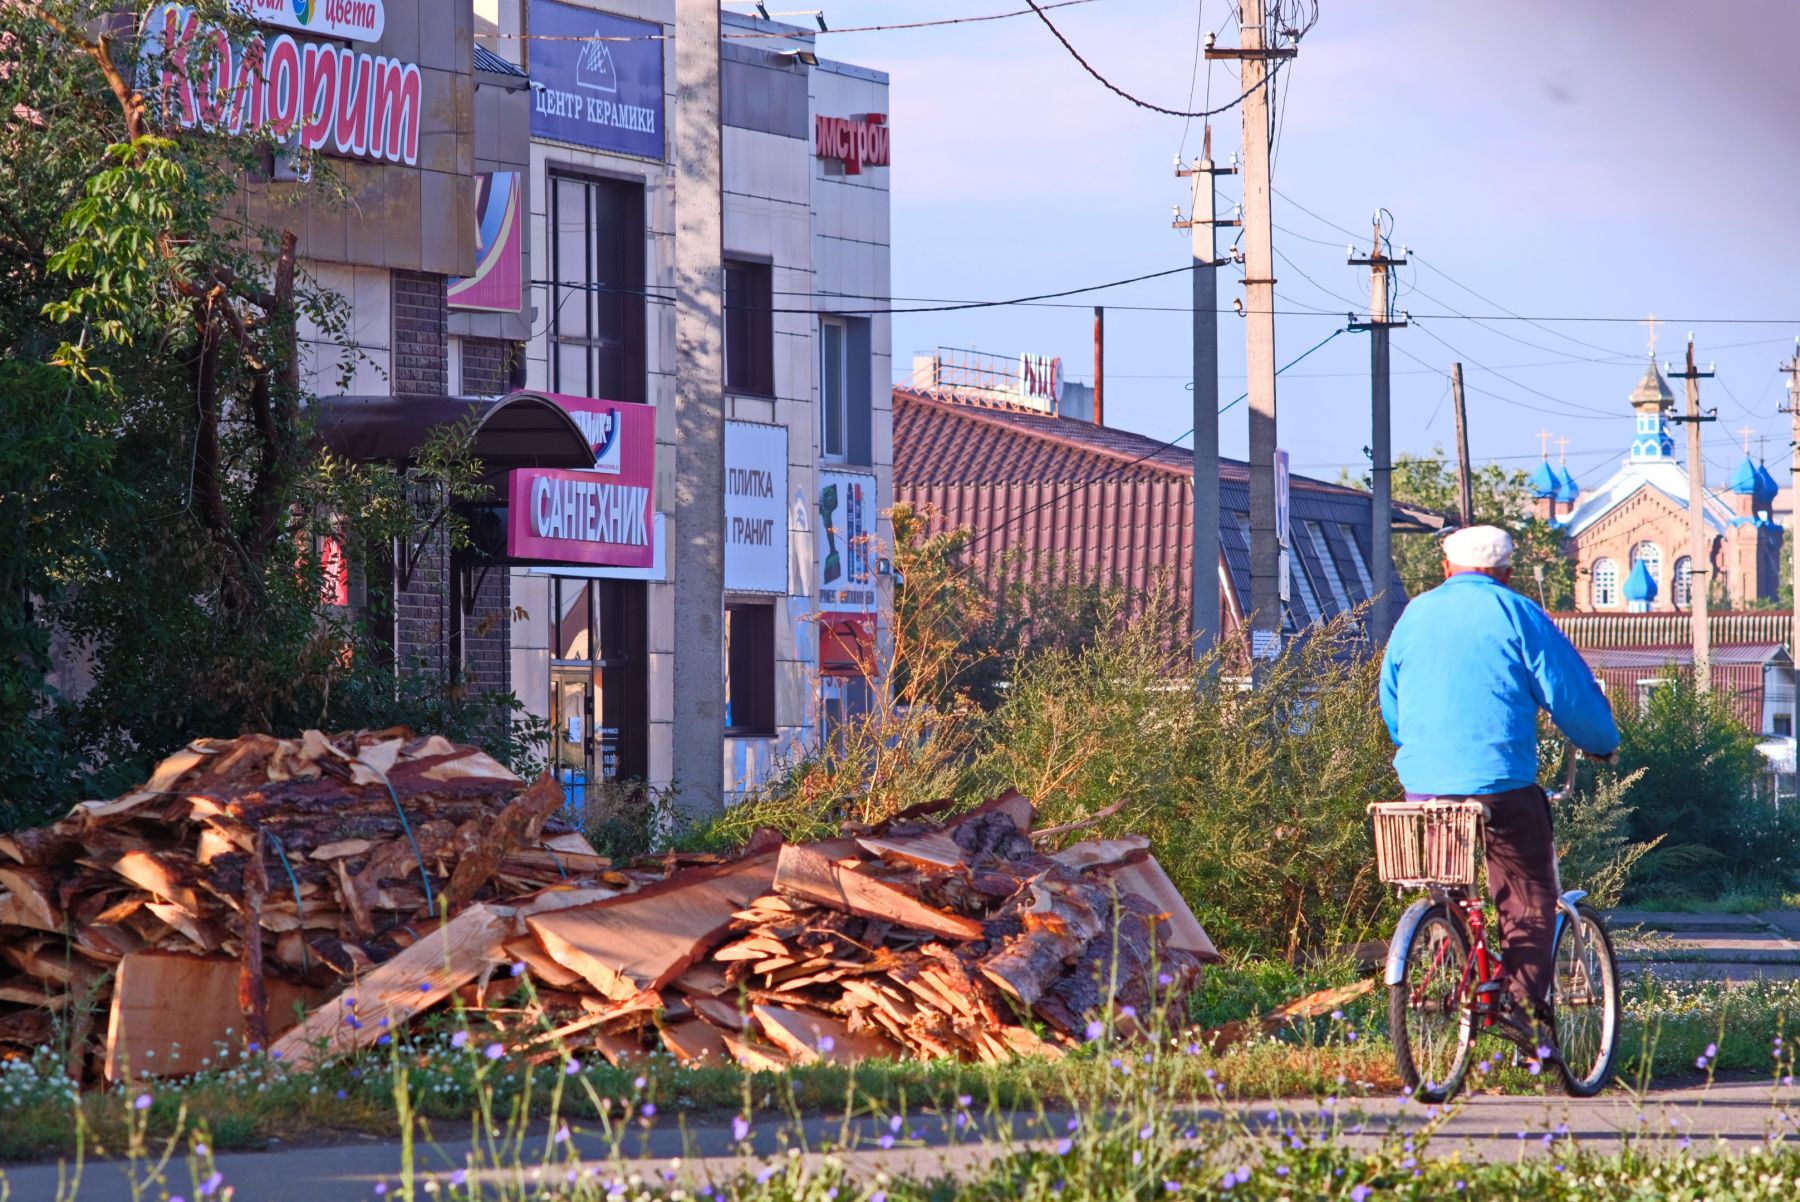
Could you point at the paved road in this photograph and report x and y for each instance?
(1736, 1115)
(1709, 947)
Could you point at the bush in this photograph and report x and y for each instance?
(1593, 838)
(1700, 794)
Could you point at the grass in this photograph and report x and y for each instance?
(1669, 1028)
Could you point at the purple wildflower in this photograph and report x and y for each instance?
(142, 1102)
(649, 1110)
(1360, 1194)
(740, 1129)
(460, 1039)
(493, 1051)
(1095, 1030)
(1063, 1146)
(518, 968)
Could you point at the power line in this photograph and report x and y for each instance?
(1526, 387)
(1194, 75)
(1114, 88)
(755, 34)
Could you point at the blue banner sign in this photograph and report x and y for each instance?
(596, 79)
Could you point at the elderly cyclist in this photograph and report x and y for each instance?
(1468, 667)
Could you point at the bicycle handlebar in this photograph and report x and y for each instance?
(1576, 755)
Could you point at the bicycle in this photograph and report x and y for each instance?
(1446, 985)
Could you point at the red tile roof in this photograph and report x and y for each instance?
(946, 437)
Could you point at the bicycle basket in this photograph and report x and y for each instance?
(1427, 842)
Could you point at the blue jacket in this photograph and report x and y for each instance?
(1469, 665)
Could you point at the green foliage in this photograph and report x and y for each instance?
(1594, 847)
(1502, 498)
(1700, 793)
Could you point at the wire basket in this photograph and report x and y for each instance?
(1420, 843)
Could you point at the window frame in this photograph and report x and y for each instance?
(749, 647)
(598, 301)
(1681, 582)
(1655, 564)
(838, 406)
(1612, 598)
(749, 309)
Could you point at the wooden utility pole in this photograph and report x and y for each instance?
(1257, 57)
(1792, 409)
(1204, 606)
(1699, 542)
(1465, 485)
(1381, 517)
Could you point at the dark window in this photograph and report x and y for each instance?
(750, 669)
(844, 383)
(597, 288)
(1784, 725)
(749, 328)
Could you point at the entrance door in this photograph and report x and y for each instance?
(572, 738)
(597, 684)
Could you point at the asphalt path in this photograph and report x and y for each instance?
(1730, 1116)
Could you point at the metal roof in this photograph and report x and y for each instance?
(520, 430)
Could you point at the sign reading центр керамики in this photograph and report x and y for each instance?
(596, 79)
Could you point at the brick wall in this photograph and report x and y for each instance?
(486, 364)
(487, 635)
(421, 336)
(422, 612)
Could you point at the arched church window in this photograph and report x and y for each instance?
(1684, 583)
(1650, 555)
(1605, 584)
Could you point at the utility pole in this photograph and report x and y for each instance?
(1099, 365)
(1465, 487)
(1792, 409)
(698, 539)
(1381, 517)
(1699, 543)
(1259, 313)
(1205, 509)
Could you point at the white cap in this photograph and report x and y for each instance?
(1479, 547)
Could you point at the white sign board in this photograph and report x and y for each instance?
(1265, 644)
(846, 542)
(1281, 498)
(358, 20)
(756, 516)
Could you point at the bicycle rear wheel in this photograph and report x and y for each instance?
(1428, 1012)
(1586, 999)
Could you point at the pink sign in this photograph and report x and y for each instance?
(497, 282)
(604, 515)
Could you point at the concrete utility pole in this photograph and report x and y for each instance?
(1381, 517)
(1259, 313)
(1792, 409)
(1205, 510)
(698, 537)
(1699, 543)
(1465, 485)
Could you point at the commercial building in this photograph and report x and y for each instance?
(506, 256)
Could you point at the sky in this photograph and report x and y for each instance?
(1600, 160)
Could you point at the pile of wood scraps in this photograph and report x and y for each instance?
(307, 896)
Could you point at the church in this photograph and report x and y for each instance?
(1630, 536)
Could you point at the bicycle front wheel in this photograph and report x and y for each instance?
(1428, 1011)
(1587, 1004)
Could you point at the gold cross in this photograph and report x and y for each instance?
(1544, 442)
(1652, 323)
(1748, 434)
(1562, 450)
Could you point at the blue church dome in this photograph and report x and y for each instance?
(1767, 486)
(1745, 481)
(1570, 490)
(1544, 481)
(1640, 587)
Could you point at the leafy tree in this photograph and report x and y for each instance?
(162, 494)
(1502, 498)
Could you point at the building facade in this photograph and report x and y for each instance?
(514, 242)
(1631, 538)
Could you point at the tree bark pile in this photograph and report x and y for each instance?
(311, 895)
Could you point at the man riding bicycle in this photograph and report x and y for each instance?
(1465, 672)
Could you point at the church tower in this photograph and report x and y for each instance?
(1652, 400)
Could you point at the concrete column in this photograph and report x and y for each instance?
(697, 556)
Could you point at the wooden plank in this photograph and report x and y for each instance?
(1096, 853)
(531, 953)
(695, 1041)
(754, 1054)
(1146, 879)
(718, 1011)
(420, 977)
(808, 1038)
(28, 898)
(806, 874)
(170, 1011)
(646, 939)
(516, 825)
(162, 873)
(936, 851)
(704, 979)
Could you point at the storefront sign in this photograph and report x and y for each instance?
(309, 95)
(604, 515)
(596, 79)
(1041, 377)
(497, 285)
(358, 20)
(756, 523)
(846, 542)
(854, 143)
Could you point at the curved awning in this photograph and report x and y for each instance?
(517, 431)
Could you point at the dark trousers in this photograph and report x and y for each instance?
(1522, 877)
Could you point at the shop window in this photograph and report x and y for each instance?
(750, 668)
(844, 401)
(597, 288)
(749, 328)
